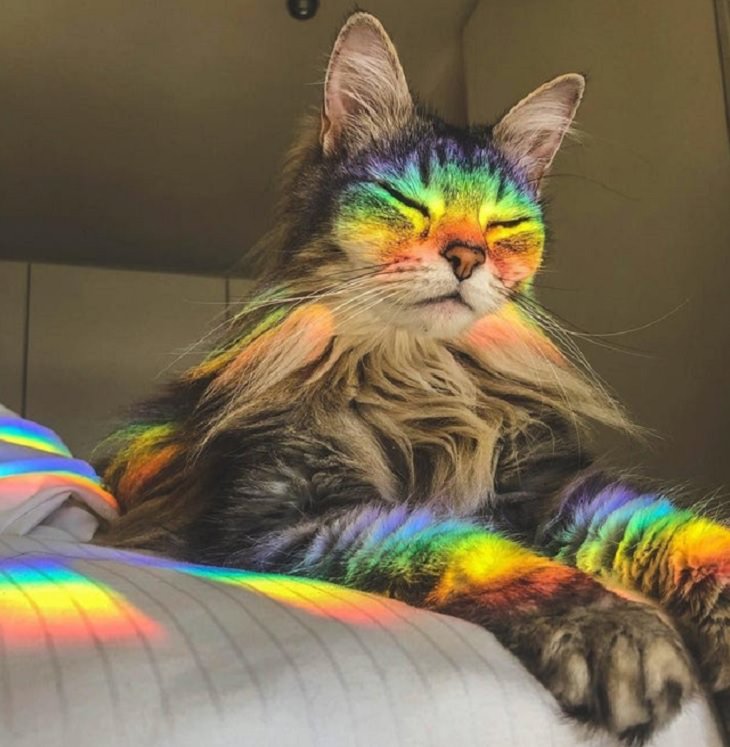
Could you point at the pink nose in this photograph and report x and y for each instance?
(464, 258)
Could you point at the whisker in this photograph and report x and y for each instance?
(553, 318)
(543, 320)
(333, 289)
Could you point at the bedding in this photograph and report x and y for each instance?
(103, 646)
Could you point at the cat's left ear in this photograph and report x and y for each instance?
(365, 90)
(531, 132)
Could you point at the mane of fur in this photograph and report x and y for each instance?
(420, 419)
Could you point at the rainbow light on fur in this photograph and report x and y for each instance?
(393, 551)
(145, 451)
(305, 332)
(466, 197)
(509, 327)
(219, 359)
(45, 601)
(640, 540)
(30, 435)
(312, 596)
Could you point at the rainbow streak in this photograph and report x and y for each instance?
(221, 358)
(48, 465)
(139, 440)
(306, 331)
(434, 562)
(43, 598)
(312, 596)
(27, 476)
(641, 541)
(31, 435)
(144, 451)
(31, 482)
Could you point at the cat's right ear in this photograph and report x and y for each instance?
(531, 132)
(365, 90)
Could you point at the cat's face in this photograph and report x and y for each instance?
(443, 223)
(452, 229)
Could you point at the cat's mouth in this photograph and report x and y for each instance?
(447, 298)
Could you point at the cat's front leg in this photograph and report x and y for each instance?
(608, 661)
(640, 540)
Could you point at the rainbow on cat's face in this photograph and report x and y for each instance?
(442, 223)
(452, 228)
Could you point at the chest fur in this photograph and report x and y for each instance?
(416, 424)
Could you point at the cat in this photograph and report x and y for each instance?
(387, 412)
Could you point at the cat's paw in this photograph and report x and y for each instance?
(615, 664)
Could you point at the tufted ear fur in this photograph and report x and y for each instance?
(365, 90)
(531, 132)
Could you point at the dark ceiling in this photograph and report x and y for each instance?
(149, 134)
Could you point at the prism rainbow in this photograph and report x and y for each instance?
(315, 597)
(44, 599)
(409, 205)
(34, 459)
(21, 476)
(19, 432)
(431, 560)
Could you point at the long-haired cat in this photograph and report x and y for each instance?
(387, 413)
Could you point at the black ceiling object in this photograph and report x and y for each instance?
(302, 10)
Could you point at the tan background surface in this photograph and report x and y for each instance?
(13, 280)
(150, 134)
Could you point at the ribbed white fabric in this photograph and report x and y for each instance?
(105, 647)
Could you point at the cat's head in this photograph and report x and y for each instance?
(427, 226)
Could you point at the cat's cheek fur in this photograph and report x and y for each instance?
(513, 271)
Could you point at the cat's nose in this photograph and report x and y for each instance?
(463, 258)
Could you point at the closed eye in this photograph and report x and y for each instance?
(507, 223)
(404, 199)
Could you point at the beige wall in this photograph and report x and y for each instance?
(640, 211)
(99, 340)
(150, 135)
(13, 295)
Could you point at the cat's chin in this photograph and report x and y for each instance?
(441, 319)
